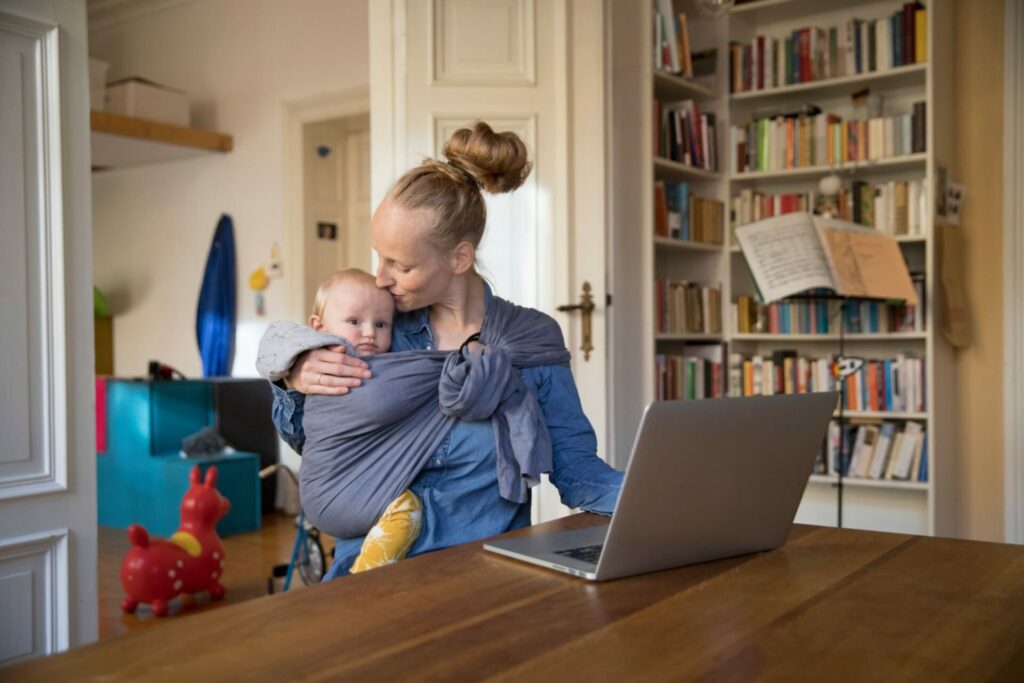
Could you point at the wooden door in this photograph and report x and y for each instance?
(47, 420)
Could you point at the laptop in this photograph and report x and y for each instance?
(706, 480)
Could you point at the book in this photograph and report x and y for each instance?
(909, 449)
(684, 46)
(882, 449)
(665, 18)
(797, 252)
(863, 450)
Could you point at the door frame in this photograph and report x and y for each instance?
(1013, 271)
(297, 113)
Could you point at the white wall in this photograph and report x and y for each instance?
(240, 61)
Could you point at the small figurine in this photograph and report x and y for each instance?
(828, 197)
(259, 281)
(192, 560)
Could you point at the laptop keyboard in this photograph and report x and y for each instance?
(588, 553)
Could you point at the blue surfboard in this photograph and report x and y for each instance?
(215, 314)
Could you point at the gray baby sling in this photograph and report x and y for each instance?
(363, 449)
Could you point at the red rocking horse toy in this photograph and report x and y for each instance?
(192, 560)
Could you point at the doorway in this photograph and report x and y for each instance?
(336, 199)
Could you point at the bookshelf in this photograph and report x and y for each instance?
(640, 257)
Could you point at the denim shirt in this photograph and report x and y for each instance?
(459, 485)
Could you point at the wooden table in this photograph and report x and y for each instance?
(831, 604)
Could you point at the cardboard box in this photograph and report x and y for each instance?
(148, 100)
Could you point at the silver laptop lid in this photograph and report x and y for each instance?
(748, 460)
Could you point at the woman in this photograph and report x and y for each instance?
(426, 233)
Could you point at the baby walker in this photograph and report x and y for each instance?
(307, 553)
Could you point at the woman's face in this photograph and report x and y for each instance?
(410, 267)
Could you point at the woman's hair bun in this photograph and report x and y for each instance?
(498, 161)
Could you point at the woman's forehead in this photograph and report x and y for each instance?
(398, 232)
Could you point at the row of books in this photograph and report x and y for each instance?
(880, 385)
(896, 207)
(876, 451)
(888, 385)
(693, 375)
(822, 317)
(684, 134)
(680, 214)
(671, 40)
(687, 307)
(813, 53)
(781, 373)
(813, 138)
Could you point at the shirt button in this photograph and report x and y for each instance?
(437, 462)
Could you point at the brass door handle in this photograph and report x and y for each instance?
(586, 307)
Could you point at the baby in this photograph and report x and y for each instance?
(349, 305)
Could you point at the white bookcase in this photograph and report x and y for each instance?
(639, 257)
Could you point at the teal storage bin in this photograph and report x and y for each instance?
(141, 477)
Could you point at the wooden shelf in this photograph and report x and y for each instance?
(852, 337)
(119, 141)
(686, 245)
(912, 74)
(890, 164)
(687, 337)
(668, 86)
(674, 169)
(882, 415)
(890, 484)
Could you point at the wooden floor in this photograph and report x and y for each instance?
(250, 559)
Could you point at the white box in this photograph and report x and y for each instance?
(147, 100)
(98, 83)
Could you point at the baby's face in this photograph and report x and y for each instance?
(362, 314)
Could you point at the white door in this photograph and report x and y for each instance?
(336, 197)
(535, 68)
(47, 447)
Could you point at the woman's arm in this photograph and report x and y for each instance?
(287, 415)
(329, 371)
(311, 362)
(582, 478)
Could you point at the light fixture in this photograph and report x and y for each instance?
(714, 8)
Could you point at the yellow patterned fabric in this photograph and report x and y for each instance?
(392, 536)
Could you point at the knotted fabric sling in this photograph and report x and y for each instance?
(363, 449)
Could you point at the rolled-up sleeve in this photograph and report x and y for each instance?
(287, 415)
(582, 478)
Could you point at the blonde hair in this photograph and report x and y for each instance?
(350, 276)
(477, 159)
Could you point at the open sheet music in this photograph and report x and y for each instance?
(796, 252)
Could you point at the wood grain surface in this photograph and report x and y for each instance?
(830, 604)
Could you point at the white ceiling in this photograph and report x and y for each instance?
(104, 14)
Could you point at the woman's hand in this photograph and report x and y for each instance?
(329, 371)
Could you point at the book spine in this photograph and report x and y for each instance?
(872, 47)
(920, 35)
(909, 33)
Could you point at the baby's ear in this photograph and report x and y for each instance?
(316, 323)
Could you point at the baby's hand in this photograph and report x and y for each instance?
(328, 371)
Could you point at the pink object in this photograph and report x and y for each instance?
(192, 560)
(101, 414)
